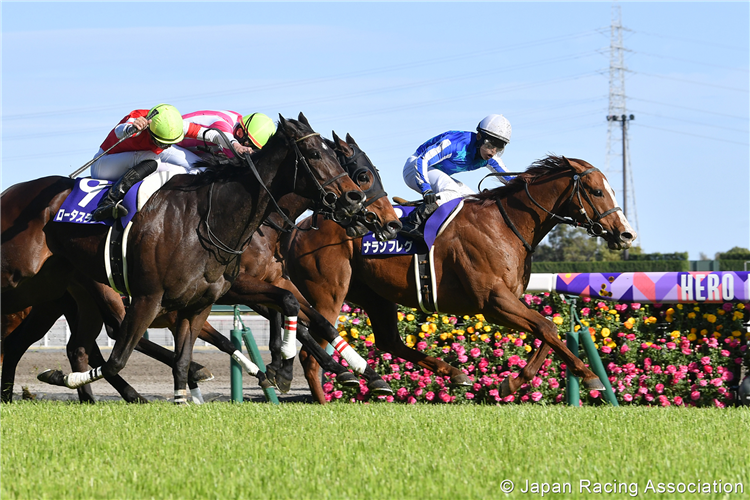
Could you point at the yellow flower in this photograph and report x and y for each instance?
(474, 337)
(612, 311)
(432, 327)
(522, 336)
(670, 311)
(371, 338)
(483, 337)
(399, 315)
(487, 328)
(737, 315)
(577, 327)
(467, 318)
(605, 332)
(676, 334)
(470, 329)
(679, 306)
(421, 335)
(409, 317)
(445, 320)
(355, 333)
(411, 340)
(693, 330)
(527, 348)
(697, 309)
(342, 319)
(557, 320)
(649, 344)
(711, 318)
(721, 312)
(424, 327)
(704, 332)
(368, 322)
(717, 335)
(691, 315)
(652, 320)
(479, 317)
(585, 323)
(691, 337)
(736, 333)
(443, 336)
(478, 326)
(740, 306)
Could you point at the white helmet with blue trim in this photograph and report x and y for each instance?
(496, 126)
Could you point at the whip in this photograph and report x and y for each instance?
(87, 165)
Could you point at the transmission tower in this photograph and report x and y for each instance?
(618, 118)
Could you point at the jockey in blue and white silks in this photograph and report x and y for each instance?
(430, 169)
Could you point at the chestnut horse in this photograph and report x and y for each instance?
(482, 263)
(184, 246)
(259, 270)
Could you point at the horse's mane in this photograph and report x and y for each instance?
(222, 169)
(539, 168)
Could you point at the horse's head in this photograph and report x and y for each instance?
(322, 180)
(378, 216)
(594, 206)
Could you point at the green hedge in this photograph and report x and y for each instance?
(622, 266)
(733, 265)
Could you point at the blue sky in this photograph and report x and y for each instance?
(396, 74)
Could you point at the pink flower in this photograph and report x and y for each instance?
(727, 376)
(402, 392)
(524, 398)
(724, 353)
(717, 382)
(337, 394)
(509, 399)
(345, 308)
(418, 391)
(518, 343)
(664, 401)
(624, 348)
(719, 404)
(429, 396)
(585, 311)
(595, 394)
(536, 396)
(627, 397)
(498, 353)
(327, 387)
(727, 306)
(708, 369)
(513, 360)
(695, 395)
(553, 383)
(421, 346)
(547, 310)
(469, 395)
(536, 382)
(678, 401)
(411, 400)
(705, 360)
(445, 397)
(635, 306)
(659, 388)
(474, 353)
(606, 349)
(463, 358)
(630, 336)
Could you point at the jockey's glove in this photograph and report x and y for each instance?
(429, 197)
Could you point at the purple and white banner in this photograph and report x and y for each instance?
(666, 287)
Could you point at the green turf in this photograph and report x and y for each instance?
(223, 451)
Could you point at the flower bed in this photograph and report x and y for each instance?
(660, 355)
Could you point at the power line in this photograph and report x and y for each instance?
(702, 63)
(683, 120)
(700, 42)
(690, 109)
(683, 80)
(693, 135)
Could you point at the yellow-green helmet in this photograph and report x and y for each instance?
(166, 124)
(259, 128)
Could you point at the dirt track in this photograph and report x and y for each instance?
(151, 379)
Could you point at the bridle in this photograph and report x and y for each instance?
(326, 198)
(592, 226)
(354, 167)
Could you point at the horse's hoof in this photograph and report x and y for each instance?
(380, 388)
(593, 384)
(130, 395)
(505, 389)
(460, 379)
(271, 374)
(201, 375)
(52, 377)
(283, 384)
(27, 395)
(265, 384)
(348, 379)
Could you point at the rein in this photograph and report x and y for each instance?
(592, 226)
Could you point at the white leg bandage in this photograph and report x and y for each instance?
(245, 363)
(289, 342)
(180, 396)
(77, 379)
(356, 361)
(197, 396)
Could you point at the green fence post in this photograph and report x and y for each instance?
(254, 352)
(572, 386)
(235, 335)
(595, 361)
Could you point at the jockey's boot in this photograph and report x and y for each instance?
(413, 225)
(111, 205)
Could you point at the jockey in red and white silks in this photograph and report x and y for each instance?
(139, 148)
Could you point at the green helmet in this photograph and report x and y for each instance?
(166, 124)
(259, 128)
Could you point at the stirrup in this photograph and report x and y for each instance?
(110, 211)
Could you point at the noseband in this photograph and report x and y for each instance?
(354, 168)
(592, 226)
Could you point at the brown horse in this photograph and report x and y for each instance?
(259, 270)
(482, 263)
(184, 246)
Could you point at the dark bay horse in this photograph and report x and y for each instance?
(184, 245)
(482, 264)
(259, 270)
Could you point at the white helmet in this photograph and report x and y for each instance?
(495, 126)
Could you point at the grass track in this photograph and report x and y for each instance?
(114, 450)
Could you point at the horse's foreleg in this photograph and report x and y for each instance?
(511, 384)
(188, 328)
(209, 334)
(312, 369)
(505, 309)
(141, 313)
